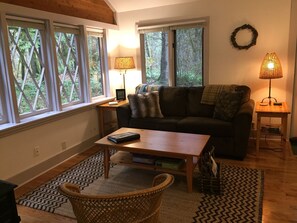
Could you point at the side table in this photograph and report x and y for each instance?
(275, 111)
(107, 107)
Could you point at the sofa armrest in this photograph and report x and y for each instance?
(123, 115)
(242, 127)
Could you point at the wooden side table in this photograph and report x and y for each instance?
(107, 107)
(275, 111)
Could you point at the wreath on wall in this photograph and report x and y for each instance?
(253, 40)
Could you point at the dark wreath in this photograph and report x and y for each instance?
(253, 40)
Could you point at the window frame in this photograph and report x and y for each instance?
(12, 122)
(63, 28)
(170, 27)
(40, 25)
(3, 109)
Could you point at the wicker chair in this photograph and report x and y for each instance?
(135, 206)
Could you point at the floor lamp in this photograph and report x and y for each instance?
(271, 68)
(123, 64)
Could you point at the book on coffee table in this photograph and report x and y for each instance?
(123, 137)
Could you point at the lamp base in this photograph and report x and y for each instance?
(269, 98)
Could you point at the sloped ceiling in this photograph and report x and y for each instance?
(131, 5)
(97, 10)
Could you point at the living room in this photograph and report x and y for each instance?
(274, 21)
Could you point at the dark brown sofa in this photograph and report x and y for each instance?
(183, 112)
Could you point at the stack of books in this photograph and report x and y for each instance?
(142, 158)
(170, 163)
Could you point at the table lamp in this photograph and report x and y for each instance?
(124, 63)
(271, 68)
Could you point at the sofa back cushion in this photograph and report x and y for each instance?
(173, 100)
(194, 105)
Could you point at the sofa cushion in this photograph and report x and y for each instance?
(205, 125)
(227, 105)
(164, 124)
(145, 105)
(173, 100)
(246, 92)
(194, 105)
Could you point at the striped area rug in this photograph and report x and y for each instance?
(241, 200)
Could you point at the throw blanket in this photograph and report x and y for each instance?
(144, 88)
(211, 92)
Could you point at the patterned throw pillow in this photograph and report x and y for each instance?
(145, 105)
(227, 105)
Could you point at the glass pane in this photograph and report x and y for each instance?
(95, 66)
(68, 68)
(156, 57)
(189, 60)
(28, 69)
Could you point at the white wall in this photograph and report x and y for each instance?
(293, 67)
(271, 18)
(17, 150)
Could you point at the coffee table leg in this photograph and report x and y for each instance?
(189, 173)
(106, 161)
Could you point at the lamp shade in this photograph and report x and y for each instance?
(124, 63)
(271, 67)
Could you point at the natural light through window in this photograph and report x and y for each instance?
(95, 63)
(173, 55)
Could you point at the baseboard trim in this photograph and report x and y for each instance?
(42, 167)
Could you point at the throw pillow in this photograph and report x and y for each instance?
(145, 105)
(227, 105)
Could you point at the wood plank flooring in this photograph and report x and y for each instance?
(280, 184)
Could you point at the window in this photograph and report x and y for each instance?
(68, 65)
(95, 55)
(173, 55)
(28, 66)
(44, 72)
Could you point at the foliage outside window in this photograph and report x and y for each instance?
(28, 64)
(68, 68)
(173, 55)
(95, 49)
(189, 56)
(156, 57)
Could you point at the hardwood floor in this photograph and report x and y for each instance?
(280, 184)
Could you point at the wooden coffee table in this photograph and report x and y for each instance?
(159, 143)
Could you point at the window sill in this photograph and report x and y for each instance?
(38, 120)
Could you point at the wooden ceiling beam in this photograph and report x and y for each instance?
(96, 10)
